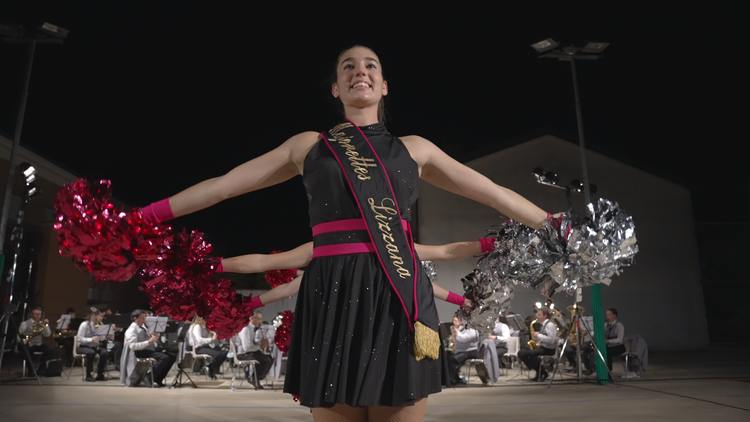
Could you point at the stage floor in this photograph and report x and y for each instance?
(686, 386)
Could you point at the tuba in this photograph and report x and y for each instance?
(534, 342)
(36, 328)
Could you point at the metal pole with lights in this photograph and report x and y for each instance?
(46, 34)
(551, 49)
(29, 173)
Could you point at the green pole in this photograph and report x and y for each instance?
(598, 311)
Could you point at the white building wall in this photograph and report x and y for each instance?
(660, 298)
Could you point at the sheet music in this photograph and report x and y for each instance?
(63, 323)
(156, 324)
(105, 331)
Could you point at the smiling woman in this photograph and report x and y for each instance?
(364, 344)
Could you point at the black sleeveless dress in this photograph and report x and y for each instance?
(351, 342)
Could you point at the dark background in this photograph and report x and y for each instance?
(157, 96)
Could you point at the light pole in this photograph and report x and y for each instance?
(47, 34)
(551, 49)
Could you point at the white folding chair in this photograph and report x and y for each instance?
(76, 356)
(243, 363)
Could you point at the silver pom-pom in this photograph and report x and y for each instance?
(430, 268)
(568, 252)
(490, 295)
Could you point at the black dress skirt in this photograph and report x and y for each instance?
(351, 342)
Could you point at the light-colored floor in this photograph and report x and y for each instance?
(710, 385)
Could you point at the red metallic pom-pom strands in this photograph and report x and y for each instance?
(284, 331)
(108, 244)
(278, 277)
(177, 274)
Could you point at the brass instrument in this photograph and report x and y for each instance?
(534, 342)
(63, 333)
(38, 327)
(575, 309)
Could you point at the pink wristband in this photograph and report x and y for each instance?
(455, 299)
(488, 244)
(157, 212)
(254, 303)
(220, 267)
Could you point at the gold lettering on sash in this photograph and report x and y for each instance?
(359, 163)
(382, 212)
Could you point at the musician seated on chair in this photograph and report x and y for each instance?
(547, 340)
(142, 342)
(203, 339)
(256, 343)
(465, 347)
(36, 343)
(614, 334)
(89, 344)
(498, 338)
(114, 347)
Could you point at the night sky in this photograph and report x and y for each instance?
(159, 97)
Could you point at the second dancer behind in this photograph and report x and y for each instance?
(355, 328)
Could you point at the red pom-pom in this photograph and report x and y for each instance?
(284, 331)
(177, 274)
(99, 239)
(278, 277)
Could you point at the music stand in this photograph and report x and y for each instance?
(63, 322)
(157, 324)
(182, 329)
(584, 326)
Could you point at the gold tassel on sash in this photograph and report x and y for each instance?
(426, 342)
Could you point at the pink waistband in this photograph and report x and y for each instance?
(344, 225)
(343, 249)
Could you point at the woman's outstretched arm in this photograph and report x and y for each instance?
(258, 263)
(274, 167)
(449, 251)
(439, 169)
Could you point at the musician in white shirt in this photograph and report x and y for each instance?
(202, 339)
(251, 338)
(465, 346)
(89, 345)
(36, 344)
(547, 337)
(138, 339)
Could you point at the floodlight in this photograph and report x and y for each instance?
(594, 47)
(545, 45)
(29, 172)
(54, 30)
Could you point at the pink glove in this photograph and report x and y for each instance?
(455, 299)
(488, 244)
(157, 212)
(220, 267)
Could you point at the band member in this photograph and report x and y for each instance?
(465, 346)
(201, 338)
(547, 337)
(36, 344)
(251, 338)
(494, 347)
(138, 339)
(614, 335)
(89, 345)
